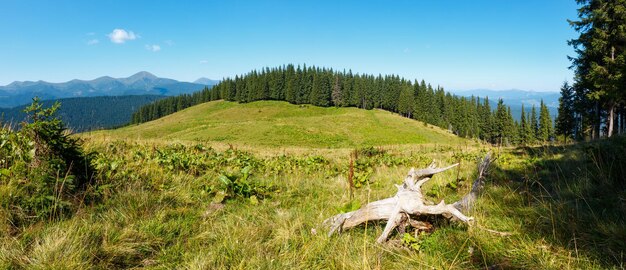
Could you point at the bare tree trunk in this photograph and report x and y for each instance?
(620, 125)
(409, 201)
(622, 117)
(595, 132)
(611, 119)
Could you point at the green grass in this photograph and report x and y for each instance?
(280, 124)
(562, 205)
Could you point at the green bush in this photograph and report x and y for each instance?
(42, 169)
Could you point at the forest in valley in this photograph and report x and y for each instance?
(82, 114)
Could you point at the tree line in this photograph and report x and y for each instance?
(469, 117)
(593, 106)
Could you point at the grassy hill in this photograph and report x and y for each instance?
(277, 123)
(167, 201)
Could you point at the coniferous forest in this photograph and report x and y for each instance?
(466, 117)
(593, 106)
(86, 113)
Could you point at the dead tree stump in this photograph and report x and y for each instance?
(409, 201)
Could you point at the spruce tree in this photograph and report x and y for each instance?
(419, 101)
(486, 122)
(406, 101)
(601, 60)
(534, 125)
(500, 123)
(565, 121)
(306, 85)
(473, 117)
(290, 78)
(545, 123)
(525, 131)
(347, 87)
(512, 128)
(337, 96)
(315, 97)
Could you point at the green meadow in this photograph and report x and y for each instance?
(280, 124)
(247, 186)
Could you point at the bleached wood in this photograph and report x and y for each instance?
(466, 203)
(409, 201)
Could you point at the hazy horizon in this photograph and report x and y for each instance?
(213, 79)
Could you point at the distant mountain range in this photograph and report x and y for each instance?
(514, 98)
(142, 83)
(206, 81)
(107, 102)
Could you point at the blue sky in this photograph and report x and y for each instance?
(455, 44)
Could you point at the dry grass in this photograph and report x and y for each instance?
(164, 219)
(155, 207)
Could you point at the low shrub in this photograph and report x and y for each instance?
(43, 170)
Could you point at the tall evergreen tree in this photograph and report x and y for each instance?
(473, 116)
(320, 92)
(290, 84)
(406, 101)
(512, 128)
(500, 123)
(337, 95)
(534, 125)
(305, 85)
(486, 121)
(545, 131)
(347, 88)
(565, 121)
(600, 61)
(525, 132)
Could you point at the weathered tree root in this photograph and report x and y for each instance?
(409, 201)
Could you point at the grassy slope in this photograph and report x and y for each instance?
(156, 209)
(280, 124)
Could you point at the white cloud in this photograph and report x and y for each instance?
(93, 41)
(203, 61)
(120, 36)
(153, 48)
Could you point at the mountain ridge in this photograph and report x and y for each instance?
(515, 98)
(551, 98)
(206, 81)
(141, 83)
